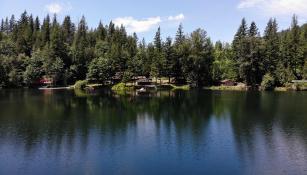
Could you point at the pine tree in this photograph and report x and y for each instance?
(271, 47)
(36, 24)
(169, 54)
(6, 25)
(46, 31)
(111, 31)
(296, 49)
(157, 40)
(239, 46)
(2, 26)
(101, 31)
(12, 23)
(159, 59)
(58, 48)
(68, 30)
(197, 66)
(177, 62)
(255, 56)
(80, 54)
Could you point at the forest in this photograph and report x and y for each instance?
(31, 49)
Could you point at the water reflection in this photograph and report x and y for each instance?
(170, 132)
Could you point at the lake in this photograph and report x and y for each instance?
(171, 132)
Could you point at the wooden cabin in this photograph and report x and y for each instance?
(144, 81)
(228, 83)
(47, 81)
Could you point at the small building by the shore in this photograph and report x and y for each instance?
(141, 81)
(228, 82)
(47, 81)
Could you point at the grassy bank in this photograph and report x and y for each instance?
(131, 87)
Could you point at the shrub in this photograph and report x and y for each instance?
(81, 84)
(268, 82)
(121, 87)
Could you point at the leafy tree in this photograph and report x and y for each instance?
(34, 69)
(268, 82)
(223, 65)
(100, 70)
(305, 70)
(15, 67)
(3, 74)
(8, 48)
(198, 65)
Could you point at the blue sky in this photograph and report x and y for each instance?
(220, 18)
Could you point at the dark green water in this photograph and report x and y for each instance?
(172, 133)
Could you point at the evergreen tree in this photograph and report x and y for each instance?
(12, 23)
(271, 47)
(68, 30)
(179, 54)
(57, 46)
(296, 49)
(169, 54)
(101, 32)
(46, 31)
(197, 67)
(240, 45)
(80, 58)
(157, 40)
(2, 26)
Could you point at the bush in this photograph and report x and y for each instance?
(268, 82)
(81, 84)
(121, 87)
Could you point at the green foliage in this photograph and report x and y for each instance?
(197, 66)
(305, 70)
(34, 70)
(127, 76)
(184, 87)
(121, 87)
(3, 75)
(30, 50)
(8, 48)
(268, 82)
(224, 67)
(100, 70)
(271, 47)
(81, 84)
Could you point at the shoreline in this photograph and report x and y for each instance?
(186, 87)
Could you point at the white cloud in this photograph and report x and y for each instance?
(248, 3)
(58, 7)
(54, 8)
(277, 7)
(179, 17)
(144, 25)
(134, 25)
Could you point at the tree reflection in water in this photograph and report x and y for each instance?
(241, 132)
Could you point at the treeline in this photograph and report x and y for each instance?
(30, 50)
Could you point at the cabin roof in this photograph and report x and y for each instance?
(227, 80)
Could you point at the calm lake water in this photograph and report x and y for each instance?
(196, 132)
